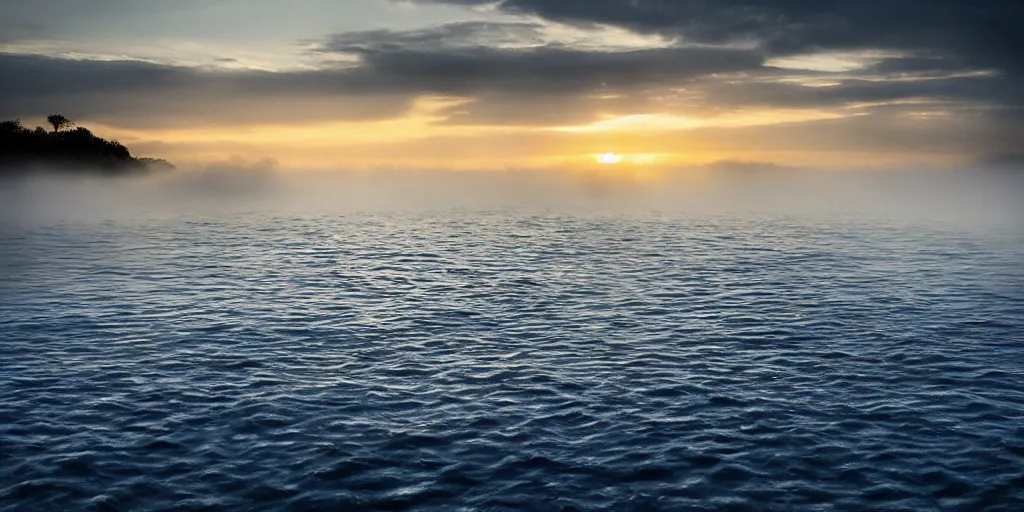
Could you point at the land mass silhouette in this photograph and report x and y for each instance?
(67, 149)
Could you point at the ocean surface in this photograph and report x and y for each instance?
(510, 360)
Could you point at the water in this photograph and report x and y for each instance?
(503, 360)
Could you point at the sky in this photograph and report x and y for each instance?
(485, 84)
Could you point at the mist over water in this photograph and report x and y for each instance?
(975, 196)
(739, 339)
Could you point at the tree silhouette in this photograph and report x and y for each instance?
(58, 121)
(14, 125)
(66, 150)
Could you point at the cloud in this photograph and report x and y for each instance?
(986, 30)
(432, 61)
(941, 76)
(937, 38)
(446, 37)
(489, 62)
(143, 94)
(393, 68)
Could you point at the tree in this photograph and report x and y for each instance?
(13, 125)
(58, 121)
(67, 147)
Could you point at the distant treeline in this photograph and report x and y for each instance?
(66, 148)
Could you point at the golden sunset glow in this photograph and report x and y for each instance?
(427, 135)
(438, 85)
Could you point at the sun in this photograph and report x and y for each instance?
(608, 159)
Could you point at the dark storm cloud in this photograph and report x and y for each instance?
(853, 91)
(457, 59)
(938, 39)
(142, 93)
(515, 79)
(542, 69)
(987, 31)
(940, 51)
(474, 57)
(449, 36)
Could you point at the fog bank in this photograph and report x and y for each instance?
(956, 196)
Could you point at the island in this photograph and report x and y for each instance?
(67, 148)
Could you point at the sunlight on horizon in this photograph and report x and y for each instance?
(429, 134)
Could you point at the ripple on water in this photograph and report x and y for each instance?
(497, 361)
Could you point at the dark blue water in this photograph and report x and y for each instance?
(510, 361)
